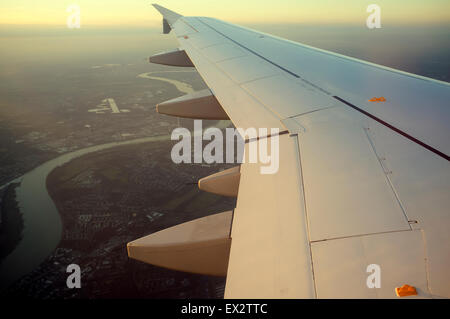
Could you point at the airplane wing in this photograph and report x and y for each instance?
(360, 204)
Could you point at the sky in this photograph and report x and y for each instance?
(140, 13)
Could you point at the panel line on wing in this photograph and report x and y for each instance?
(362, 235)
(303, 200)
(185, 22)
(265, 136)
(402, 207)
(309, 112)
(428, 147)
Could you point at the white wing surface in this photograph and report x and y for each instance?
(363, 185)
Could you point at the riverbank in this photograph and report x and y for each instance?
(11, 226)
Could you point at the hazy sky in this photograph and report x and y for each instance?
(140, 13)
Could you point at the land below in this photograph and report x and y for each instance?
(114, 196)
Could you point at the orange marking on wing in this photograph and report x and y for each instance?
(405, 290)
(379, 99)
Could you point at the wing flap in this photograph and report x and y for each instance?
(345, 268)
(270, 253)
(340, 164)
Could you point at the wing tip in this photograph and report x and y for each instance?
(167, 14)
